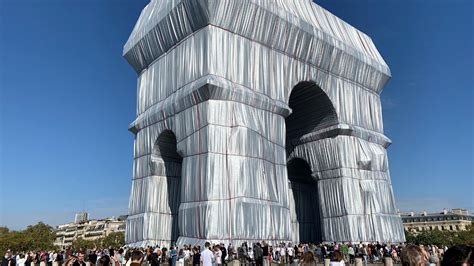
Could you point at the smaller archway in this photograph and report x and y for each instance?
(167, 162)
(306, 221)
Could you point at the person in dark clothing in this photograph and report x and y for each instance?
(103, 261)
(137, 258)
(196, 257)
(163, 254)
(324, 252)
(242, 254)
(154, 258)
(8, 260)
(80, 259)
(92, 257)
(258, 254)
(47, 257)
(265, 249)
(459, 255)
(37, 259)
(60, 258)
(30, 259)
(224, 254)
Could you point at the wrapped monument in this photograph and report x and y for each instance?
(257, 120)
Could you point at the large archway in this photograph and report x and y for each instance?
(312, 110)
(167, 162)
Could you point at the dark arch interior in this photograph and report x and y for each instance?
(312, 111)
(169, 163)
(305, 195)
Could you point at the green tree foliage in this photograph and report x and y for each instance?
(83, 244)
(4, 230)
(115, 239)
(41, 237)
(441, 238)
(34, 237)
(466, 237)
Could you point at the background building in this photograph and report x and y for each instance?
(88, 229)
(81, 217)
(453, 220)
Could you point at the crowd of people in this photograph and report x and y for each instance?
(255, 254)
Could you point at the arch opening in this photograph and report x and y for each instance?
(312, 110)
(167, 163)
(305, 220)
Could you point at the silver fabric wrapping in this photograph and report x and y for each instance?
(217, 75)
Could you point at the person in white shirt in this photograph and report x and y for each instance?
(187, 253)
(207, 256)
(250, 253)
(291, 253)
(283, 254)
(21, 261)
(277, 253)
(218, 254)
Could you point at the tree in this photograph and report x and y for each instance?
(114, 240)
(83, 244)
(11, 240)
(441, 238)
(465, 237)
(34, 237)
(4, 230)
(40, 236)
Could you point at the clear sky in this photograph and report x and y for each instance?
(67, 97)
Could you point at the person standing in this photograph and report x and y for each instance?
(164, 254)
(120, 257)
(173, 256)
(196, 257)
(336, 259)
(80, 259)
(266, 252)
(218, 255)
(250, 254)
(92, 258)
(291, 253)
(351, 253)
(154, 258)
(21, 261)
(29, 259)
(206, 255)
(345, 251)
(365, 254)
(137, 258)
(113, 258)
(283, 253)
(224, 254)
(181, 258)
(258, 254)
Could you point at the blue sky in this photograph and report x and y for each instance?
(67, 97)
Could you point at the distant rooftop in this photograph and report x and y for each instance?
(84, 219)
(452, 212)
